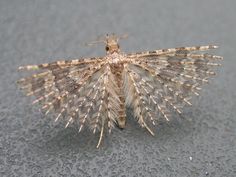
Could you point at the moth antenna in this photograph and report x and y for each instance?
(124, 36)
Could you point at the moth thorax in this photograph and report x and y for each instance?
(114, 57)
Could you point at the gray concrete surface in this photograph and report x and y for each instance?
(33, 31)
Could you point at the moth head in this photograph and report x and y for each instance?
(110, 41)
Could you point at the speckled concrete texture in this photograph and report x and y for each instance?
(36, 31)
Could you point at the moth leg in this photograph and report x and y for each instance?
(62, 63)
(171, 51)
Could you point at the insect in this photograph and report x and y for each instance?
(95, 92)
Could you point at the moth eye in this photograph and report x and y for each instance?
(107, 48)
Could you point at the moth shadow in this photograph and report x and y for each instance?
(66, 141)
(177, 128)
(57, 140)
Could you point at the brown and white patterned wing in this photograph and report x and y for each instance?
(160, 81)
(77, 90)
(55, 82)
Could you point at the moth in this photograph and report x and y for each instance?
(95, 92)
